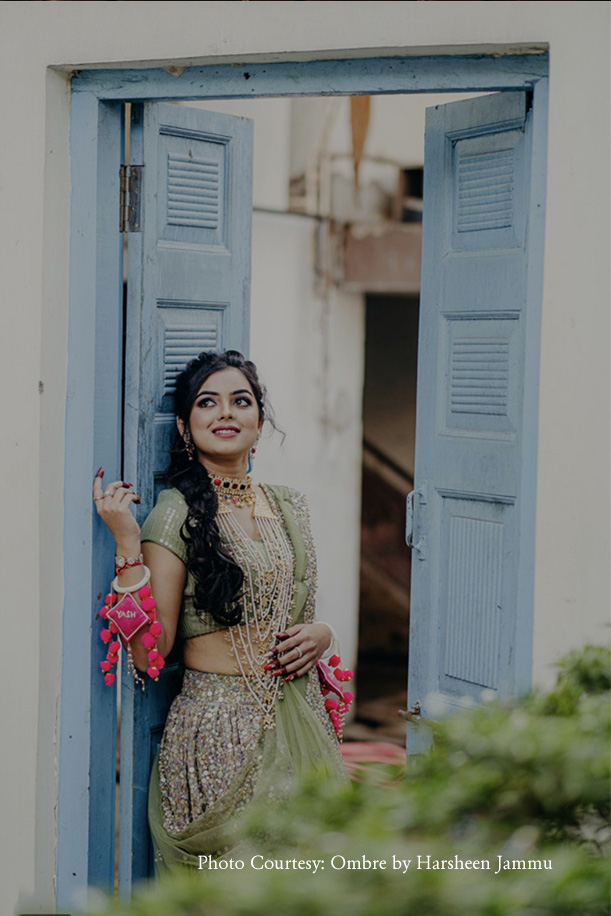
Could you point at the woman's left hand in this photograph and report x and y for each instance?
(299, 648)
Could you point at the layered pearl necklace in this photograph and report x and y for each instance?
(267, 596)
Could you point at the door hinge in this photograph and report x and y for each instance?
(130, 180)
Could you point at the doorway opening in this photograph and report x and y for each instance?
(88, 130)
(339, 238)
(389, 434)
(344, 251)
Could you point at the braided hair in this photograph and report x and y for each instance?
(218, 578)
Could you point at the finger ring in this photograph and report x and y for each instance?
(107, 493)
(299, 650)
(95, 498)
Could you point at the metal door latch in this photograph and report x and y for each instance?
(413, 521)
(414, 713)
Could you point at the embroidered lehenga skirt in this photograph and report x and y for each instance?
(217, 757)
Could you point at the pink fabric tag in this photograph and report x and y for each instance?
(128, 617)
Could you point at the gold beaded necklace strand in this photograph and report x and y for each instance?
(268, 565)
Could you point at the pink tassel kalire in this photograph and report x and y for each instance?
(125, 617)
(148, 640)
(331, 683)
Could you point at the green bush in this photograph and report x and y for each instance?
(522, 782)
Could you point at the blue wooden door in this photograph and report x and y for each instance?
(188, 290)
(472, 511)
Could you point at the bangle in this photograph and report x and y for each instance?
(333, 647)
(122, 589)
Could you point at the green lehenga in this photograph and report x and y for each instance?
(220, 752)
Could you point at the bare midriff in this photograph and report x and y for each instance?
(214, 653)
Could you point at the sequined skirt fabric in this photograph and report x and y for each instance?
(216, 758)
(211, 735)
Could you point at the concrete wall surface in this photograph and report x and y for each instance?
(572, 539)
(314, 343)
(311, 338)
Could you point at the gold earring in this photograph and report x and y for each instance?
(189, 447)
(254, 447)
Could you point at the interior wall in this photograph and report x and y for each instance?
(389, 394)
(389, 427)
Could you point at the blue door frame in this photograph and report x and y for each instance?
(94, 410)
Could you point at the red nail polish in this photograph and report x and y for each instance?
(137, 500)
(100, 471)
(125, 484)
(269, 667)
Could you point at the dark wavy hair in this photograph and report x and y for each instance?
(218, 578)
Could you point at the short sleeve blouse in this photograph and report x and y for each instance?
(164, 524)
(163, 527)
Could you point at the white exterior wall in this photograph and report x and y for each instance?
(395, 131)
(572, 594)
(309, 349)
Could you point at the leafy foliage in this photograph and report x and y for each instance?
(525, 782)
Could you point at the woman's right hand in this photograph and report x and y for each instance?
(113, 504)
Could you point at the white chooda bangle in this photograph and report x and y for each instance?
(123, 589)
(333, 647)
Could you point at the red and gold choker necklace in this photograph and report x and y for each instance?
(237, 490)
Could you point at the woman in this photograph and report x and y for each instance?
(232, 570)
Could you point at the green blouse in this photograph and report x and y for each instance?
(163, 527)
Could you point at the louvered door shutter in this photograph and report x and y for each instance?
(188, 291)
(469, 627)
